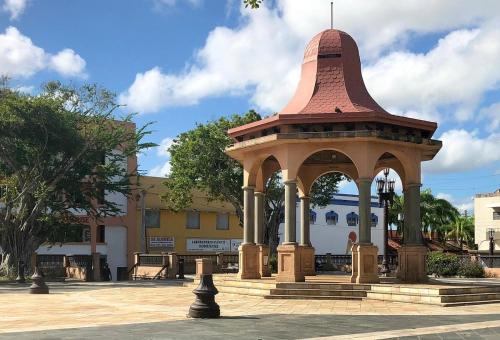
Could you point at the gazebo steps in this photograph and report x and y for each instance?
(323, 286)
(319, 293)
(312, 297)
(453, 296)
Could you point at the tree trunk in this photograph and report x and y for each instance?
(16, 246)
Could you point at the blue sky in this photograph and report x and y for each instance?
(178, 62)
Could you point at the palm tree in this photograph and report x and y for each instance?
(462, 229)
(436, 214)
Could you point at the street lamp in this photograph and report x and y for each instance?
(385, 188)
(491, 235)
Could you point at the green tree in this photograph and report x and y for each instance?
(198, 161)
(59, 150)
(461, 228)
(252, 3)
(436, 214)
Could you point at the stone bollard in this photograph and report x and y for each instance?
(173, 265)
(20, 272)
(203, 266)
(180, 263)
(38, 286)
(205, 306)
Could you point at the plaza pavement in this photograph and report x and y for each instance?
(156, 310)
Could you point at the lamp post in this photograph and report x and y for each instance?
(385, 188)
(491, 235)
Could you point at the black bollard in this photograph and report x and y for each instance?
(38, 286)
(20, 272)
(180, 274)
(205, 306)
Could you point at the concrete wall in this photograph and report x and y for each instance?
(333, 239)
(484, 206)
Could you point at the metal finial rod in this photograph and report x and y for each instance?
(331, 15)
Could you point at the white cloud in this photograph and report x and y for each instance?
(68, 63)
(448, 74)
(466, 204)
(491, 115)
(160, 170)
(262, 56)
(159, 4)
(14, 7)
(463, 150)
(19, 57)
(165, 144)
(163, 169)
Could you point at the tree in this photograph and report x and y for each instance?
(461, 228)
(252, 3)
(59, 150)
(198, 162)
(436, 214)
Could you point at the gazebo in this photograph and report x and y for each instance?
(331, 124)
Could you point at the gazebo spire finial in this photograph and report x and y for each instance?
(331, 15)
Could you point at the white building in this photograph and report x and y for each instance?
(335, 227)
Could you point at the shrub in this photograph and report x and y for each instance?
(273, 263)
(470, 268)
(442, 264)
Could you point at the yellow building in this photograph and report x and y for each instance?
(206, 226)
(486, 217)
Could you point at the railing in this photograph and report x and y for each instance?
(489, 261)
(190, 259)
(83, 261)
(232, 259)
(50, 261)
(331, 261)
(151, 260)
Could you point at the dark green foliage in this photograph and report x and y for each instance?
(472, 269)
(252, 3)
(52, 151)
(273, 263)
(442, 264)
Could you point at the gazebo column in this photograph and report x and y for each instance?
(263, 255)
(306, 250)
(249, 259)
(289, 266)
(411, 255)
(364, 253)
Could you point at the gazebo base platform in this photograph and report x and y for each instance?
(338, 287)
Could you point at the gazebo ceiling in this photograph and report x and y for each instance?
(331, 91)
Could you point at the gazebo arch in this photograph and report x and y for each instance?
(332, 110)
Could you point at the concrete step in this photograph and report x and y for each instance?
(433, 291)
(244, 284)
(319, 292)
(442, 300)
(312, 297)
(325, 286)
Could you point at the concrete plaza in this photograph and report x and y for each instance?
(155, 310)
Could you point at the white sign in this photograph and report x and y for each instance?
(161, 242)
(235, 244)
(198, 244)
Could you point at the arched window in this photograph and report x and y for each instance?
(312, 216)
(374, 220)
(352, 219)
(332, 218)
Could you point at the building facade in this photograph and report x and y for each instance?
(206, 226)
(335, 227)
(486, 217)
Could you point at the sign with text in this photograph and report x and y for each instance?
(235, 244)
(213, 245)
(161, 242)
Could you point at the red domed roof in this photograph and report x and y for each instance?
(331, 80)
(331, 90)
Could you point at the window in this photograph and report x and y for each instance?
(222, 221)
(496, 215)
(312, 216)
(332, 218)
(152, 219)
(193, 220)
(374, 220)
(101, 238)
(352, 219)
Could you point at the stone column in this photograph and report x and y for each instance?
(305, 237)
(411, 255)
(289, 264)
(364, 186)
(248, 215)
(307, 260)
(263, 249)
(290, 212)
(248, 251)
(259, 218)
(364, 254)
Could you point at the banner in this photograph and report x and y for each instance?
(161, 242)
(212, 245)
